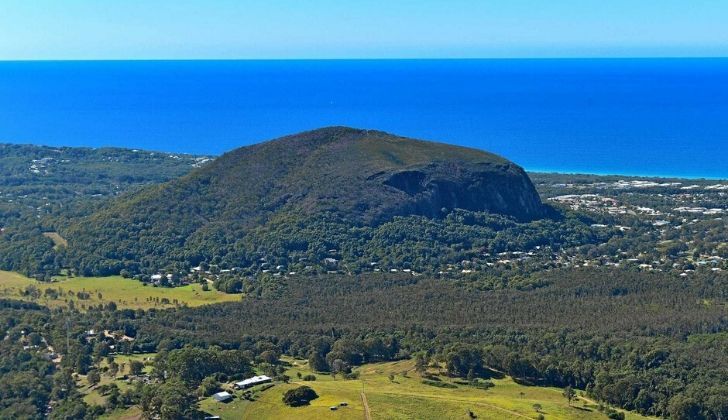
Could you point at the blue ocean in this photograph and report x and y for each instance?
(664, 117)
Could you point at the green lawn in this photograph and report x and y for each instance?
(126, 293)
(406, 397)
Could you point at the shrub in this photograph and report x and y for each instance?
(297, 397)
(483, 384)
(352, 375)
(438, 384)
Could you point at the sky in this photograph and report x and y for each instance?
(317, 29)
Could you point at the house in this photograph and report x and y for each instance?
(255, 380)
(223, 396)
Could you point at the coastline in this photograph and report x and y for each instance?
(542, 171)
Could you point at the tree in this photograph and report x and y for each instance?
(269, 356)
(77, 359)
(63, 384)
(93, 377)
(208, 386)
(34, 339)
(170, 401)
(297, 397)
(463, 360)
(339, 366)
(136, 367)
(113, 369)
(317, 362)
(101, 350)
(683, 408)
(193, 364)
(72, 408)
(113, 400)
(420, 364)
(569, 394)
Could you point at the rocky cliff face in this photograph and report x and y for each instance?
(372, 176)
(438, 187)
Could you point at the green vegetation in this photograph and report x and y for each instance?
(42, 187)
(631, 352)
(404, 398)
(85, 292)
(398, 279)
(58, 240)
(297, 397)
(241, 202)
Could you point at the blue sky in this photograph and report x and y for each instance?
(206, 29)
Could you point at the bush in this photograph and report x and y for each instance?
(616, 415)
(352, 375)
(438, 384)
(483, 384)
(297, 397)
(208, 386)
(309, 377)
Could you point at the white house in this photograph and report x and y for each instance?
(255, 380)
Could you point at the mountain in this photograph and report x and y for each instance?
(363, 177)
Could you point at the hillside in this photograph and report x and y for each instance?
(40, 185)
(406, 396)
(355, 177)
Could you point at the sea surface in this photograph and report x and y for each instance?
(619, 116)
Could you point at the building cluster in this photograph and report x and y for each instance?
(228, 395)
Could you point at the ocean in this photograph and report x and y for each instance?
(662, 117)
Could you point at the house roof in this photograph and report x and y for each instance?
(253, 380)
(222, 396)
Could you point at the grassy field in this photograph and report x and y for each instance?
(58, 240)
(126, 293)
(405, 397)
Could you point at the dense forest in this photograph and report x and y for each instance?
(618, 287)
(42, 188)
(647, 342)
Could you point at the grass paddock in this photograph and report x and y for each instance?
(125, 293)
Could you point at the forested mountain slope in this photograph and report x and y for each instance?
(356, 177)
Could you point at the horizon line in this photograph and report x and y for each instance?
(648, 57)
(532, 170)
